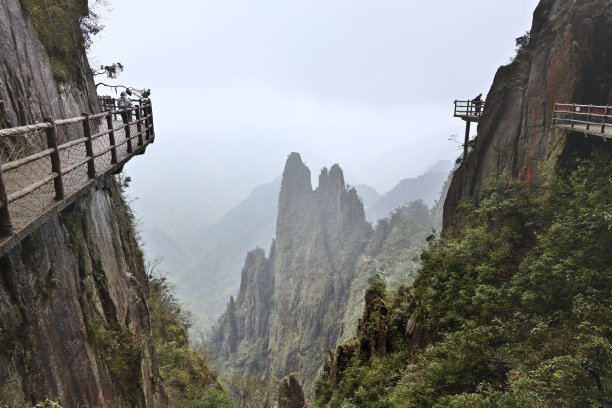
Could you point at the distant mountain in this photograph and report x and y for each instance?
(426, 187)
(407, 160)
(368, 195)
(213, 275)
(155, 241)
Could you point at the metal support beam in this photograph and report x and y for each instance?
(467, 139)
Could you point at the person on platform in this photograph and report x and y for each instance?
(477, 102)
(124, 103)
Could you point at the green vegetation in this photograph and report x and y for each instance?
(187, 378)
(121, 352)
(48, 403)
(393, 253)
(516, 309)
(65, 28)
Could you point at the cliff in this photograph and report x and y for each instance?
(289, 305)
(30, 64)
(509, 313)
(74, 321)
(567, 59)
(508, 307)
(69, 291)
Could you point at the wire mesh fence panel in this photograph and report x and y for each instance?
(122, 150)
(18, 147)
(25, 176)
(70, 157)
(35, 174)
(101, 144)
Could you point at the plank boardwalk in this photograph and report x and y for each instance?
(86, 149)
(592, 129)
(588, 119)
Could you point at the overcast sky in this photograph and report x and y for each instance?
(348, 78)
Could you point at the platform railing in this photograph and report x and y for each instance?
(594, 119)
(469, 108)
(44, 163)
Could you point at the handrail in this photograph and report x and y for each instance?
(593, 119)
(470, 108)
(23, 177)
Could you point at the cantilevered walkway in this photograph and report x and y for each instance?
(588, 119)
(46, 166)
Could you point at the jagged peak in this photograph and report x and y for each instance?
(296, 179)
(336, 176)
(323, 179)
(331, 180)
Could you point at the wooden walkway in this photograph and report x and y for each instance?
(47, 166)
(588, 119)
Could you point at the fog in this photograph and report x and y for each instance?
(237, 85)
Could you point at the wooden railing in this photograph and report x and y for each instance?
(472, 109)
(45, 163)
(593, 119)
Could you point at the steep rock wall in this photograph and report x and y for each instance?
(319, 237)
(72, 288)
(291, 304)
(568, 59)
(74, 321)
(28, 89)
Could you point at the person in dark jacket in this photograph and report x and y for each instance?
(477, 102)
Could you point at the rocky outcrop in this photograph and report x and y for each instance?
(240, 338)
(291, 304)
(290, 393)
(568, 59)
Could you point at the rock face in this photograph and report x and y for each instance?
(568, 59)
(78, 278)
(290, 393)
(74, 320)
(27, 86)
(291, 304)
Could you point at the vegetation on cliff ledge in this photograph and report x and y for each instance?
(65, 28)
(184, 371)
(514, 312)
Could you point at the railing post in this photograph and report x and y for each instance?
(56, 164)
(147, 122)
(139, 127)
(572, 116)
(588, 125)
(151, 118)
(111, 136)
(603, 122)
(91, 165)
(126, 116)
(6, 225)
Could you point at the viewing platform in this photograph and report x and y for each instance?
(588, 119)
(469, 111)
(44, 167)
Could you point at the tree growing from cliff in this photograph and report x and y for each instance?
(522, 44)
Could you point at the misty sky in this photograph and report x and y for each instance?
(351, 78)
(239, 84)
